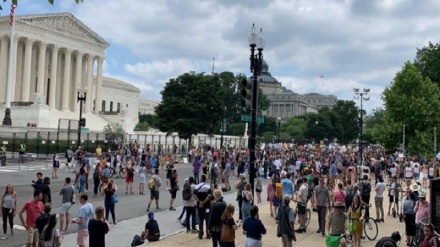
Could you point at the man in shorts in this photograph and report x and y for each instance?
(33, 209)
(154, 193)
(337, 223)
(84, 215)
(301, 205)
(66, 203)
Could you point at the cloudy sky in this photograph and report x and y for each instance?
(351, 43)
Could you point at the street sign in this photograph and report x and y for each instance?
(85, 130)
(248, 118)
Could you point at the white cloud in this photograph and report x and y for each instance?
(352, 43)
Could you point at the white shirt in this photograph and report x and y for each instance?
(393, 171)
(380, 189)
(277, 164)
(303, 191)
(408, 172)
(318, 165)
(416, 167)
(431, 171)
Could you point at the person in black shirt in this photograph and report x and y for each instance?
(174, 188)
(203, 196)
(45, 190)
(98, 227)
(151, 232)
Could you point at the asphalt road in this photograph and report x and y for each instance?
(129, 206)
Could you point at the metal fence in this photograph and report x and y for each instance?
(42, 143)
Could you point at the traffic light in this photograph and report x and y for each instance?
(82, 122)
(246, 94)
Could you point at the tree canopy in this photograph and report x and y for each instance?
(427, 61)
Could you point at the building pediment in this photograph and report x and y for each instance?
(64, 23)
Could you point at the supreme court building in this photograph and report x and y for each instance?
(54, 56)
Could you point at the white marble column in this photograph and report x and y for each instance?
(53, 77)
(41, 68)
(25, 91)
(14, 69)
(3, 67)
(66, 82)
(98, 97)
(89, 83)
(78, 75)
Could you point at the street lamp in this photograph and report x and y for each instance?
(81, 98)
(362, 95)
(255, 41)
(279, 123)
(316, 131)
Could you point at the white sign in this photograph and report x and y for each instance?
(105, 141)
(93, 141)
(43, 142)
(53, 142)
(73, 142)
(82, 141)
(5, 142)
(185, 160)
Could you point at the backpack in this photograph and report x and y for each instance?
(366, 188)
(186, 192)
(106, 172)
(137, 240)
(152, 183)
(214, 172)
(96, 174)
(278, 190)
(130, 172)
(349, 197)
(41, 222)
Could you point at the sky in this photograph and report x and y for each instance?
(312, 46)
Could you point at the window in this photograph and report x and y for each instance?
(119, 107)
(111, 106)
(103, 105)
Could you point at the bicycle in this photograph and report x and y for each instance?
(370, 228)
(308, 215)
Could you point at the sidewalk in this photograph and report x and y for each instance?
(174, 234)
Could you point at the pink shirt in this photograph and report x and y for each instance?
(422, 211)
(339, 196)
(33, 210)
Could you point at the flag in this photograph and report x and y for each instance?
(11, 15)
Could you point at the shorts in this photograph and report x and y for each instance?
(301, 209)
(392, 199)
(129, 179)
(65, 207)
(154, 194)
(401, 175)
(142, 179)
(32, 235)
(430, 177)
(258, 190)
(81, 238)
(173, 193)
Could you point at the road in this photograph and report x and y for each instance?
(129, 206)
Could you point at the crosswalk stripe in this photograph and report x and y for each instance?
(23, 168)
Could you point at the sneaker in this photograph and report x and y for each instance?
(114, 223)
(148, 209)
(319, 231)
(194, 231)
(167, 188)
(4, 237)
(299, 230)
(12, 232)
(172, 209)
(188, 230)
(179, 219)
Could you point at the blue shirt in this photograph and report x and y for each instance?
(85, 212)
(408, 207)
(254, 228)
(333, 170)
(287, 186)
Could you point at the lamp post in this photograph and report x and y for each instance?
(81, 98)
(316, 131)
(362, 95)
(256, 41)
(279, 123)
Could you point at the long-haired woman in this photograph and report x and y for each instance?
(9, 204)
(247, 200)
(355, 211)
(231, 225)
(109, 203)
(52, 236)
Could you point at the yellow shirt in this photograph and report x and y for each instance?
(98, 151)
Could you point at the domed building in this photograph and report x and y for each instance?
(267, 82)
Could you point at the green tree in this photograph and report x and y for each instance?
(142, 126)
(115, 132)
(373, 123)
(295, 127)
(191, 103)
(147, 118)
(427, 61)
(411, 101)
(344, 118)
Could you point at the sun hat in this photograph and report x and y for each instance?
(415, 187)
(422, 194)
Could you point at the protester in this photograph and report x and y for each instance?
(247, 202)
(33, 209)
(356, 213)
(286, 218)
(97, 176)
(46, 191)
(67, 193)
(410, 219)
(337, 223)
(55, 165)
(258, 187)
(190, 207)
(215, 222)
(109, 200)
(98, 228)
(239, 186)
(142, 178)
(9, 206)
(203, 197)
(151, 232)
(174, 188)
(43, 218)
(51, 236)
(378, 199)
(229, 226)
(154, 190)
(129, 177)
(422, 208)
(254, 229)
(430, 239)
(84, 215)
(322, 198)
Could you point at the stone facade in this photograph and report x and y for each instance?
(146, 106)
(321, 101)
(54, 56)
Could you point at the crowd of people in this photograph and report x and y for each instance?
(335, 184)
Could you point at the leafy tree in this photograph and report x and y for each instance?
(147, 118)
(373, 124)
(427, 61)
(269, 124)
(191, 104)
(295, 127)
(142, 126)
(344, 117)
(413, 101)
(114, 132)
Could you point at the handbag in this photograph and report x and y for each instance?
(115, 199)
(228, 233)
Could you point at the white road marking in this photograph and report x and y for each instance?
(16, 168)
